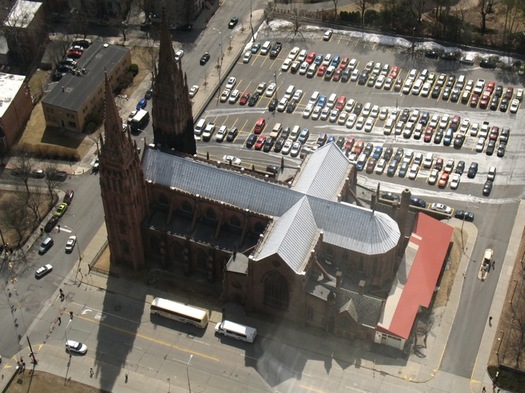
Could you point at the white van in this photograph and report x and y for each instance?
(265, 48)
(289, 92)
(492, 173)
(295, 133)
(199, 127)
(416, 88)
(331, 100)
(236, 330)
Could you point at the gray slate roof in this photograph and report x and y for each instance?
(298, 216)
(97, 59)
(365, 309)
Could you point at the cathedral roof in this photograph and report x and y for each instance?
(298, 214)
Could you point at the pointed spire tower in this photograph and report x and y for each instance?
(172, 109)
(122, 188)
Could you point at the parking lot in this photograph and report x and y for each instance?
(435, 115)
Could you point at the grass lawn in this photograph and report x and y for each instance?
(41, 382)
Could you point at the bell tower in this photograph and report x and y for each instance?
(172, 108)
(122, 188)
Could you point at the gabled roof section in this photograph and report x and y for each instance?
(431, 239)
(364, 309)
(291, 236)
(323, 173)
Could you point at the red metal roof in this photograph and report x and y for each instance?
(432, 238)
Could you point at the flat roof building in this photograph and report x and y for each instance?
(79, 96)
(15, 108)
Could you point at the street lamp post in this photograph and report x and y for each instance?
(79, 261)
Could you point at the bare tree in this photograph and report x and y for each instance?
(34, 204)
(23, 165)
(51, 180)
(486, 7)
(150, 56)
(362, 4)
(516, 341)
(15, 219)
(514, 16)
(335, 8)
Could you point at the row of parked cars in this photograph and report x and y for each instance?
(68, 64)
(426, 83)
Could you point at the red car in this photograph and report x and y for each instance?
(244, 98)
(74, 53)
(394, 72)
(349, 143)
(321, 71)
(358, 147)
(484, 101)
(344, 63)
(443, 180)
(337, 75)
(494, 133)
(490, 86)
(427, 138)
(310, 58)
(260, 142)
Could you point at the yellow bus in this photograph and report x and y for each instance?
(179, 312)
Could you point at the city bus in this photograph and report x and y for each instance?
(179, 312)
(236, 330)
(140, 120)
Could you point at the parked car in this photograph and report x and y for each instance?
(61, 209)
(45, 245)
(70, 244)
(42, 271)
(464, 215)
(441, 207)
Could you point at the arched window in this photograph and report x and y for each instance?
(235, 221)
(163, 200)
(276, 292)
(210, 214)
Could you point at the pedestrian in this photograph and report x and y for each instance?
(484, 390)
(91, 372)
(59, 321)
(490, 321)
(71, 315)
(23, 366)
(126, 377)
(61, 291)
(493, 265)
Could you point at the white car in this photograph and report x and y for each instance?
(414, 169)
(231, 82)
(441, 207)
(454, 181)
(232, 160)
(261, 87)
(369, 124)
(296, 149)
(327, 35)
(354, 75)
(343, 117)
(474, 128)
(380, 81)
(282, 104)
(193, 90)
(425, 90)
(179, 54)
(366, 109)
(443, 123)
(286, 64)
(234, 96)
(132, 115)
(70, 244)
(316, 112)
(76, 347)
(465, 124)
(225, 95)
(297, 95)
(308, 111)
(375, 111)
(42, 271)
(349, 105)
(480, 145)
(221, 134)
(302, 55)
(247, 57)
(360, 122)
(433, 177)
(514, 105)
(327, 59)
(325, 112)
(383, 113)
(270, 91)
(352, 118)
(287, 146)
(303, 68)
(334, 114)
(293, 53)
(434, 120)
(380, 167)
(314, 97)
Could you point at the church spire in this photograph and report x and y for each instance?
(172, 108)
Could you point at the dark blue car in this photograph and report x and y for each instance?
(142, 103)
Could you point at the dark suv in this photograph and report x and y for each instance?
(276, 49)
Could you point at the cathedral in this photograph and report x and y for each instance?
(304, 250)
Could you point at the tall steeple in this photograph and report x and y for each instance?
(122, 188)
(172, 109)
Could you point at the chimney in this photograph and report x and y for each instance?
(338, 279)
(362, 285)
